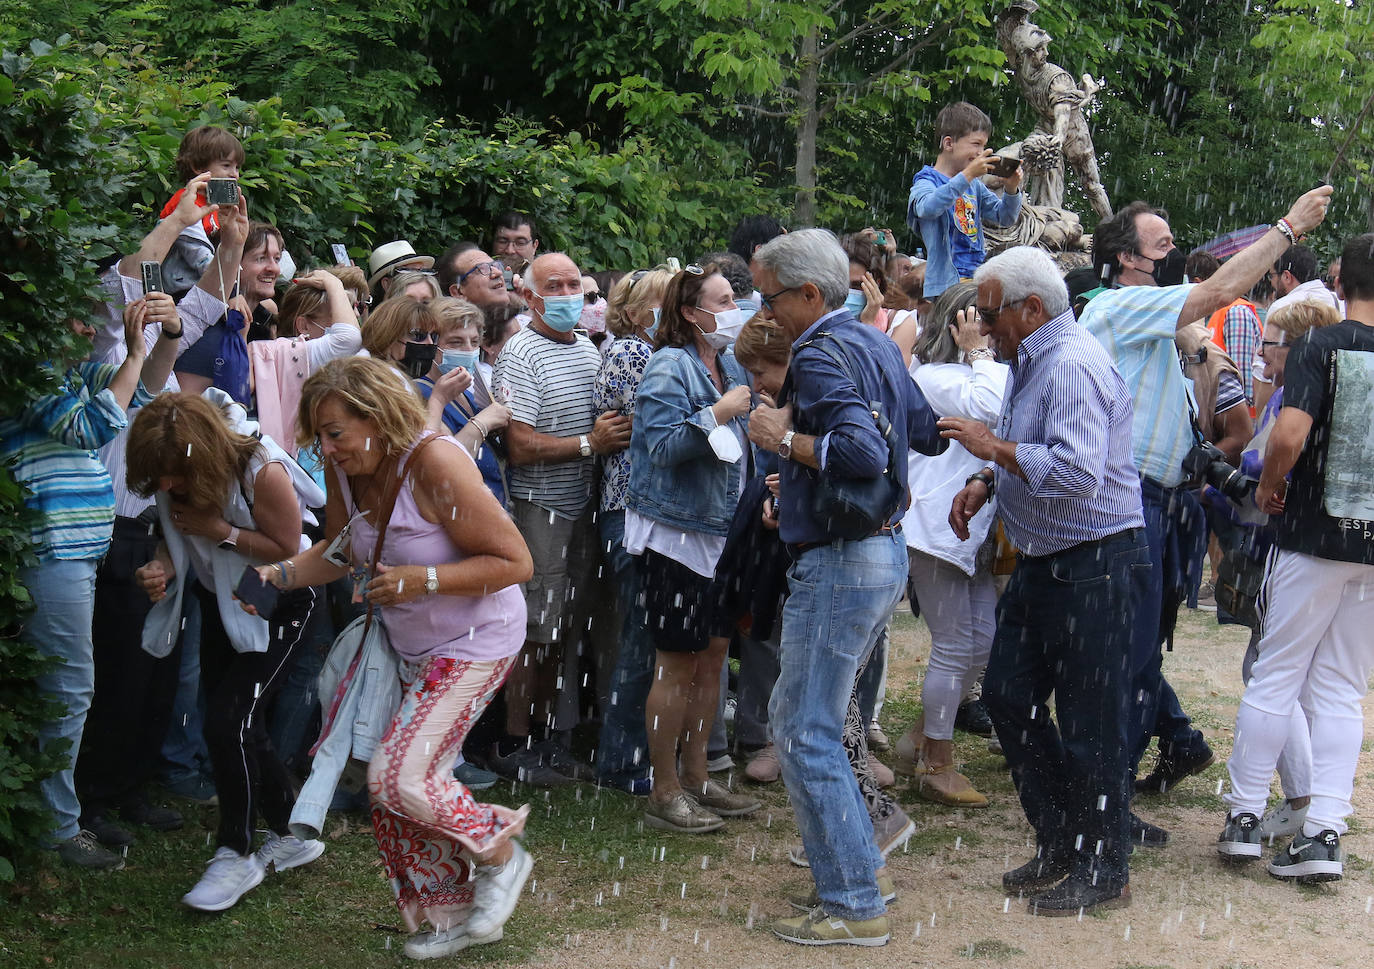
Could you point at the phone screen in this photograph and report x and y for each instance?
(261, 595)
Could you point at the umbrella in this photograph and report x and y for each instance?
(1233, 242)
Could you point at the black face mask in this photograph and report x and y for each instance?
(1168, 269)
(419, 359)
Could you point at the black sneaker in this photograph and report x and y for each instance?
(1240, 839)
(83, 851)
(107, 831)
(972, 717)
(1310, 859)
(1172, 768)
(1147, 835)
(151, 815)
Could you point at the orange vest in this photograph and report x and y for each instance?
(1217, 322)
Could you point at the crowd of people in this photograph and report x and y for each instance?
(349, 539)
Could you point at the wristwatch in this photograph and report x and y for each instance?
(984, 475)
(431, 580)
(785, 445)
(232, 539)
(584, 445)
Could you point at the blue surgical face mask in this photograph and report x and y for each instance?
(562, 313)
(453, 359)
(651, 330)
(855, 301)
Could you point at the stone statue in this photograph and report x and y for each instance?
(1049, 227)
(1061, 134)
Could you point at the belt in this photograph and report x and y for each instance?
(1129, 533)
(796, 548)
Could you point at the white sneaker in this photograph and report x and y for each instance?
(228, 878)
(436, 945)
(280, 852)
(1282, 820)
(496, 892)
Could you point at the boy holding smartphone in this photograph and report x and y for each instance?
(204, 149)
(949, 202)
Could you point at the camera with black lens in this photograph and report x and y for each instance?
(1207, 462)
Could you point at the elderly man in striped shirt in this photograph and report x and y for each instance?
(1069, 499)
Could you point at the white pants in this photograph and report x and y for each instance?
(962, 615)
(1316, 648)
(1295, 761)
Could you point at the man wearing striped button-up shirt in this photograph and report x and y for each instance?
(1069, 497)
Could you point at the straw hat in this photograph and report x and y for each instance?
(386, 258)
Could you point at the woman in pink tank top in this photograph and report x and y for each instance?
(446, 591)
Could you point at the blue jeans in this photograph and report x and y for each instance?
(1175, 531)
(1064, 627)
(623, 751)
(60, 628)
(842, 597)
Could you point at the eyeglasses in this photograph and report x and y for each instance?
(518, 243)
(989, 315)
(424, 336)
(493, 268)
(768, 299)
(1272, 343)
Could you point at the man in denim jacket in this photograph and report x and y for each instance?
(842, 592)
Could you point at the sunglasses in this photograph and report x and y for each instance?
(591, 297)
(423, 336)
(767, 300)
(989, 315)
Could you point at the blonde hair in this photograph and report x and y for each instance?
(632, 294)
(305, 300)
(456, 314)
(393, 320)
(186, 436)
(1295, 319)
(762, 343)
(370, 390)
(407, 278)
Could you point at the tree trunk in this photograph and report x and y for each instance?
(808, 107)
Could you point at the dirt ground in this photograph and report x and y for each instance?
(1187, 910)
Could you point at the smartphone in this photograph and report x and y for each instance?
(880, 239)
(1004, 167)
(152, 277)
(222, 191)
(508, 274)
(261, 595)
(340, 254)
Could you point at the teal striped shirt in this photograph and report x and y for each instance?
(50, 448)
(1136, 324)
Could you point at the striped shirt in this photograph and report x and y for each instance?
(550, 388)
(1242, 332)
(51, 447)
(1137, 324)
(1070, 413)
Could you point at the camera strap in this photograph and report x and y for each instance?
(1198, 436)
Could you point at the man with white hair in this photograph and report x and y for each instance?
(1069, 498)
(844, 382)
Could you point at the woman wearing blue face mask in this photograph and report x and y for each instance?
(632, 320)
(448, 387)
(867, 281)
(689, 460)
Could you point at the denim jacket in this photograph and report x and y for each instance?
(675, 476)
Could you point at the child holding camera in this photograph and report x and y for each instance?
(949, 202)
(204, 149)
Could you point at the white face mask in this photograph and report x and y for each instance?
(728, 324)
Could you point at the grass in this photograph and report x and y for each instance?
(597, 870)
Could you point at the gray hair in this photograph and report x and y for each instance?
(808, 256)
(1023, 271)
(936, 344)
